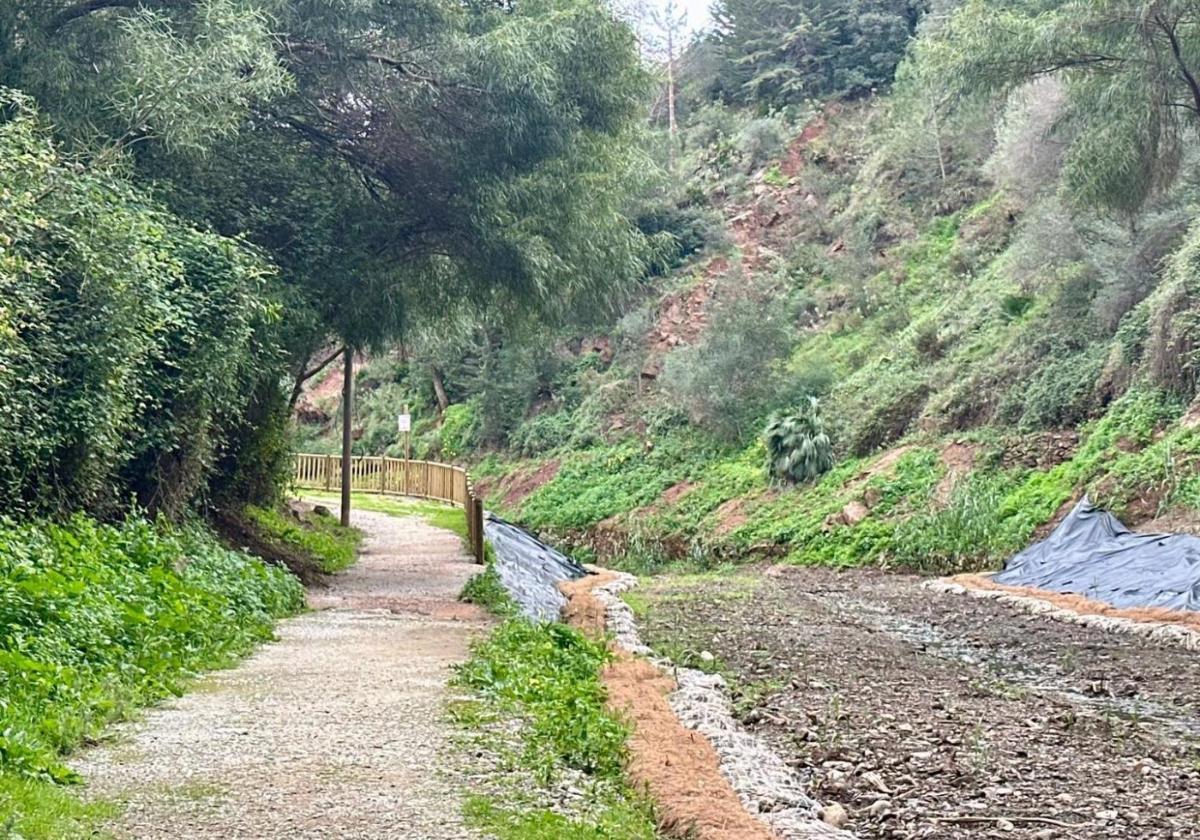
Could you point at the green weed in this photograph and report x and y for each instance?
(486, 590)
(547, 677)
(612, 820)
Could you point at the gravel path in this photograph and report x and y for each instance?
(336, 731)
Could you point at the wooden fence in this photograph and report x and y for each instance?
(397, 477)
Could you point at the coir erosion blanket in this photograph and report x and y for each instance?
(1092, 554)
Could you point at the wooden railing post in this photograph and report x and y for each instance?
(476, 508)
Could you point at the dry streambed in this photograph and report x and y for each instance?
(708, 778)
(934, 716)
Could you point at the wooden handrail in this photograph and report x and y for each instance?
(397, 477)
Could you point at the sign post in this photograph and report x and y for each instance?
(404, 424)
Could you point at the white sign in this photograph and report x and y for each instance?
(405, 422)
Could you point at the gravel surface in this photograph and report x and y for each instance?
(336, 731)
(936, 716)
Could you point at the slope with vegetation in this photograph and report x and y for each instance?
(976, 251)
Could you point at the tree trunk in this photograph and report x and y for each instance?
(672, 130)
(347, 420)
(439, 388)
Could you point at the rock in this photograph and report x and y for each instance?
(321, 510)
(876, 781)
(880, 807)
(706, 656)
(853, 513)
(1044, 834)
(1005, 825)
(834, 814)
(1106, 815)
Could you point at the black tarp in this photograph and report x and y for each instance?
(529, 569)
(1092, 554)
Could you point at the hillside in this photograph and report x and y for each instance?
(983, 356)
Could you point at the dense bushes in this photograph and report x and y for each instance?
(130, 343)
(730, 378)
(97, 619)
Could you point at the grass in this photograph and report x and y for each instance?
(486, 589)
(614, 821)
(98, 620)
(34, 809)
(332, 546)
(546, 676)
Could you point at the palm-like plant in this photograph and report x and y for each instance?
(798, 449)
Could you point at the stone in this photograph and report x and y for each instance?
(834, 814)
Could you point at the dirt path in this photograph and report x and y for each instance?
(333, 732)
(934, 716)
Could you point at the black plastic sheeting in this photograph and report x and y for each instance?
(1092, 554)
(529, 569)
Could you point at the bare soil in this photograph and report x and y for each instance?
(933, 716)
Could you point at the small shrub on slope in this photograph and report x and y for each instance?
(798, 449)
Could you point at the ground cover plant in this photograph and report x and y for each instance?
(545, 677)
(320, 536)
(99, 620)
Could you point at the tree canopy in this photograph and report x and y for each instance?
(392, 161)
(1130, 69)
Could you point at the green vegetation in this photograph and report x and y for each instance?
(132, 344)
(798, 449)
(487, 590)
(318, 536)
(99, 620)
(546, 676)
(38, 810)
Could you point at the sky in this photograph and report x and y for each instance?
(695, 11)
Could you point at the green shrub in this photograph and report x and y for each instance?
(889, 415)
(798, 450)
(1062, 392)
(131, 344)
(97, 619)
(457, 430)
(735, 374)
(543, 433)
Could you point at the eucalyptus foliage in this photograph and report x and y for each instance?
(788, 51)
